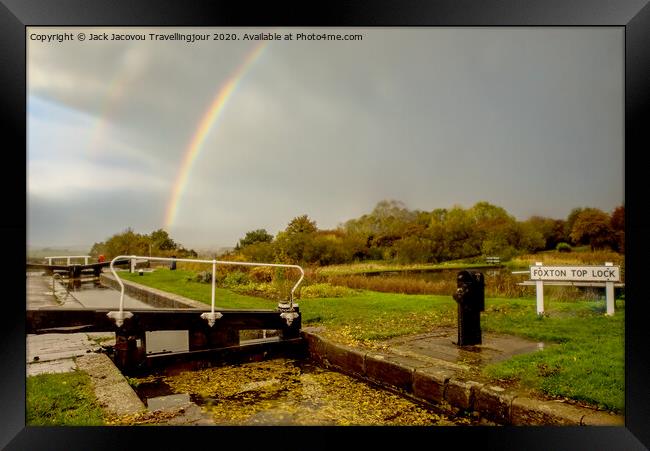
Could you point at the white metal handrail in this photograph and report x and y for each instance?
(67, 257)
(288, 310)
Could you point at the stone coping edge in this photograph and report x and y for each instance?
(113, 392)
(152, 296)
(438, 385)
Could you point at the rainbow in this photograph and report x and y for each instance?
(207, 123)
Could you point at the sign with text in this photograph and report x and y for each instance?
(576, 273)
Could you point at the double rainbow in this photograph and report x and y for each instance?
(207, 123)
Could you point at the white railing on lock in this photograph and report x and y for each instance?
(67, 257)
(288, 313)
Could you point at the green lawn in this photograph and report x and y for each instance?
(583, 358)
(65, 399)
(177, 282)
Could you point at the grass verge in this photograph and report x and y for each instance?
(64, 399)
(182, 282)
(583, 358)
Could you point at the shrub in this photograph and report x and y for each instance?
(563, 247)
(325, 290)
(264, 289)
(203, 277)
(236, 278)
(261, 274)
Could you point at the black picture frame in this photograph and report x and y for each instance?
(633, 15)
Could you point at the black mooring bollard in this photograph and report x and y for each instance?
(470, 297)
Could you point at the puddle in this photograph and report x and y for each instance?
(286, 392)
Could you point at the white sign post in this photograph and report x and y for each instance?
(609, 293)
(589, 275)
(539, 291)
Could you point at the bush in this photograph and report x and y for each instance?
(201, 277)
(325, 290)
(264, 289)
(261, 274)
(563, 247)
(236, 278)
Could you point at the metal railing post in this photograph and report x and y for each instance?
(120, 315)
(214, 270)
(213, 316)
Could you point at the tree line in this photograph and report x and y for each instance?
(393, 232)
(158, 243)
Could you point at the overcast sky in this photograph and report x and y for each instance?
(530, 119)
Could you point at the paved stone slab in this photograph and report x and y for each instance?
(440, 345)
(47, 347)
(57, 346)
(53, 366)
(113, 392)
(39, 292)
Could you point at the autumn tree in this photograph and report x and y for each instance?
(552, 230)
(160, 240)
(529, 239)
(568, 224)
(254, 236)
(388, 222)
(125, 243)
(128, 242)
(592, 226)
(259, 251)
(617, 223)
(494, 228)
(459, 239)
(292, 243)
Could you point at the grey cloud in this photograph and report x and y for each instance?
(530, 119)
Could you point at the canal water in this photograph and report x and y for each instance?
(286, 392)
(90, 293)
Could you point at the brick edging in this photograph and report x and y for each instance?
(152, 296)
(440, 386)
